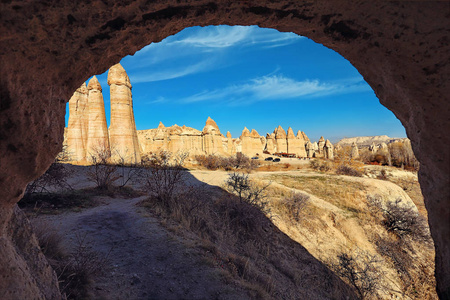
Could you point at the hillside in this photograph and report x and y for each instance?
(362, 141)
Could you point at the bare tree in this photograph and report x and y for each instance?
(102, 172)
(295, 204)
(240, 185)
(165, 176)
(360, 271)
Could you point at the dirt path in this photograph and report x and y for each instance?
(146, 261)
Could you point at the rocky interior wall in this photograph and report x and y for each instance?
(49, 48)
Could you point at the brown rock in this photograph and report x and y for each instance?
(36, 52)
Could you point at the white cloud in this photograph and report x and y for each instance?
(146, 76)
(229, 36)
(277, 88)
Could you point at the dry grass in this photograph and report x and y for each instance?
(346, 195)
(75, 268)
(240, 240)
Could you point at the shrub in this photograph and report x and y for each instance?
(165, 176)
(401, 219)
(240, 185)
(360, 271)
(237, 162)
(102, 173)
(318, 165)
(347, 170)
(295, 205)
(55, 176)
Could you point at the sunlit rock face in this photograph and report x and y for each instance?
(77, 130)
(47, 51)
(98, 140)
(122, 131)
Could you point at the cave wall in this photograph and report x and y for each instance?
(48, 48)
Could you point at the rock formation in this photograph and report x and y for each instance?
(354, 152)
(280, 139)
(122, 130)
(77, 130)
(328, 151)
(212, 138)
(295, 144)
(320, 146)
(98, 141)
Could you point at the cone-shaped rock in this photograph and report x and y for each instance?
(280, 140)
(122, 131)
(98, 141)
(212, 138)
(294, 145)
(77, 129)
(355, 152)
(328, 150)
(320, 144)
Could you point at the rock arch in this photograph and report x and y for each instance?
(49, 48)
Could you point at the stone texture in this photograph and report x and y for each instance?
(328, 151)
(295, 145)
(77, 129)
(280, 139)
(251, 143)
(98, 141)
(48, 50)
(320, 145)
(212, 138)
(122, 130)
(354, 152)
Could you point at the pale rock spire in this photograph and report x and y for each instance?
(98, 141)
(77, 129)
(122, 131)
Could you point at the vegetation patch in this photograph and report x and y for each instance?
(345, 194)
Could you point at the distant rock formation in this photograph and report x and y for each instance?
(87, 134)
(355, 152)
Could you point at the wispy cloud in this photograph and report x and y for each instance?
(171, 73)
(277, 88)
(229, 36)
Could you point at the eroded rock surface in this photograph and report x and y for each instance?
(48, 49)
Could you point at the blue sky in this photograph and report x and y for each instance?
(254, 77)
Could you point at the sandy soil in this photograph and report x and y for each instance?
(145, 260)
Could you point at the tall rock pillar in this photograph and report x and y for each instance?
(123, 138)
(97, 141)
(77, 129)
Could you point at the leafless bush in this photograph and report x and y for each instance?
(348, 170)
(102, 173)
(55, 177)
(404, 220)
(165, 176)
(127, 172)
(295, 204)
(319, 165)
(360, 271)
(237, 162)
(397, 252)
(401, 219)
(240, 185)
